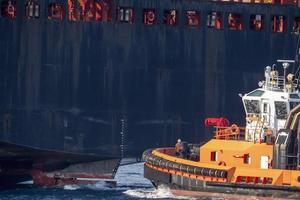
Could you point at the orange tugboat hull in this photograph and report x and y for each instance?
(193, 178)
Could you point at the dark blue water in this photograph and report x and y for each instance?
(130, 185)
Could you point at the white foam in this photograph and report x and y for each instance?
(101, 185)
(72, 187)
(161, 192)
(26, 182)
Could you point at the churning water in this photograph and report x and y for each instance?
(130, 185)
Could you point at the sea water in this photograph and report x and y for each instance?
(130, 185)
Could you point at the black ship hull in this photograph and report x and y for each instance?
(22, 163)
(114, 89)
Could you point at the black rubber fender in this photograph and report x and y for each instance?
(183, 168)
(197, 170)
(156, 161)
(160, 162)
(176, 166)
(169, 165)
(205, 172)
(223, 174)
(211, 172)
(191, 170)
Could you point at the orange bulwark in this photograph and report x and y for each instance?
(247, 173)
(231, 162)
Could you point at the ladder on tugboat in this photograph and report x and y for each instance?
(259, 128)
(255, 131)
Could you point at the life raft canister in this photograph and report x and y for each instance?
(221, 122)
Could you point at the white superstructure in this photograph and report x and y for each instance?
(268, 106)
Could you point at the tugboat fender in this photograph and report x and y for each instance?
(148, 157)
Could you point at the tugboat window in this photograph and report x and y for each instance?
(293, 105)
(247, 159)
(125, 15)
(32, 9)
(213, 156)
(281, 139)
(265, 107)
(294, 96)
(252, 106)
(278, 23)
(149, 16)
(296, 26)
(281, 109)
(214, 20)
(170, 17)
(235, 21)
(192, 18)
(256, 22)
(256, 93)
(55, 11)
(9, 9)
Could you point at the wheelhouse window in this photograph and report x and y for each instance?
(265, 107)
(170, 17)
(256, 22)
(281, 109)
(9, 9)
(125, 15)
(278, 23)
(256, 93)
(214, 20)
(32, 9)
(149, 16)
(89, 10)
(252, 106)
(293, 104)
(192, 18)
(55, 11)
(294, 96)
(235, 21)
(296, 25)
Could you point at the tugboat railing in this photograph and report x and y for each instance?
(233, 132)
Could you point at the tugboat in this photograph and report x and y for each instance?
(261, 159)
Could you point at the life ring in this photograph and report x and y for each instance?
(235, 129)
(150, 16)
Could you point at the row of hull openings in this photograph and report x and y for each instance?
(96, 10)
(78, 10)
(214, 19)
(282, 2)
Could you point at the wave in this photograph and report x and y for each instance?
(162, 192)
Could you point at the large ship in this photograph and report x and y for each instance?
(84, 81)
